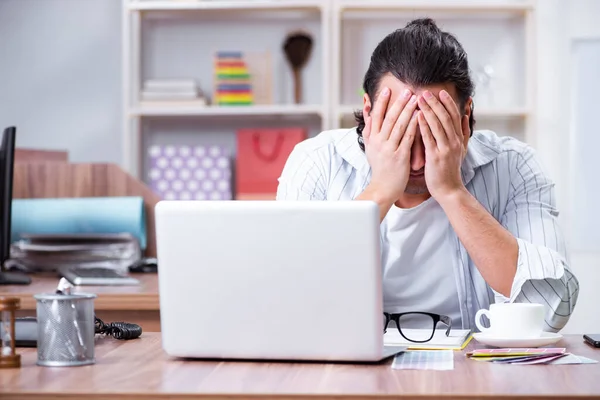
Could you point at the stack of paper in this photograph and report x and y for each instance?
(52, 252)
(528, 356)
(457, 340)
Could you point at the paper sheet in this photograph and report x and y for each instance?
(441, 360)
(573, 359)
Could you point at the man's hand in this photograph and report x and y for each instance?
(441, 128)
(388, 136)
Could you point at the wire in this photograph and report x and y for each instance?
(118, 330)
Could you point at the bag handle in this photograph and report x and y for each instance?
(276, 149)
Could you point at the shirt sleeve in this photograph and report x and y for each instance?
(302, 177)
(543, 274)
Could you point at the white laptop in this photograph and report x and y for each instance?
(286, 280)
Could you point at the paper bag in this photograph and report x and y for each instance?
(261, 156)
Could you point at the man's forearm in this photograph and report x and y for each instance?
(493, 249)
(374, 194)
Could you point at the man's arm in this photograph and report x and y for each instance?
(543, 274)
(522, 257)
(383, 200)
(493, 249)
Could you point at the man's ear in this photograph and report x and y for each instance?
(464, 123)
(366, 106)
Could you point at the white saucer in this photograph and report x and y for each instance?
(544, 339)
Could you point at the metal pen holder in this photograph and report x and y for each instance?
(65, 329)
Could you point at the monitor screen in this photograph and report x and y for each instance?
(7, 158)
(7, 154)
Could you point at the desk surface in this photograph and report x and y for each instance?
(140, 369)
(110, 298)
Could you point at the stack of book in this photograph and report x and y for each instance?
(233, 85)
(456, 340)
(170, 90)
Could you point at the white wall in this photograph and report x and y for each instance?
(581, 22)
(60, 75)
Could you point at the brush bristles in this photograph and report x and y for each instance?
(298, 47)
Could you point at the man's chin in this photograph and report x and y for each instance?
(416, 186)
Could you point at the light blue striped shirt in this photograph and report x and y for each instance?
(503, 174)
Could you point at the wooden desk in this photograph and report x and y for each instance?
(135, 304)
(139, 369)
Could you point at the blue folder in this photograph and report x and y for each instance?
(80, 215)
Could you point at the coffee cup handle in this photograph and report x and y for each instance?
(478, 319)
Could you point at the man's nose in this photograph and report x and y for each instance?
(417, 154)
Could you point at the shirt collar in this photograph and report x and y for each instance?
(348, 148)
(480, 151)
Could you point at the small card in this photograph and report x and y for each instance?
(441, 360)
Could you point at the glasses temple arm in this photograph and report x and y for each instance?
(448, 321)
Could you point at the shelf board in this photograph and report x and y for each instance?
(182, 108)
(437, 5)
(516, 112)
(179, 5)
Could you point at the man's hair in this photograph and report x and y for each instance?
(419, 54)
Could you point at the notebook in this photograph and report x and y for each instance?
(457, 340)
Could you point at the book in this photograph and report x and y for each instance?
(457, 340)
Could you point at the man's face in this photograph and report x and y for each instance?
(416, 181)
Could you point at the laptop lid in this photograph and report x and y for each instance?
(270, 280)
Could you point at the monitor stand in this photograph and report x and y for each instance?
(14, 278)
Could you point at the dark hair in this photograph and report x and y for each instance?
(419, 54)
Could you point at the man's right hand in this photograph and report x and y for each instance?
(388, 135)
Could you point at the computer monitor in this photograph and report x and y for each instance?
(7, 157)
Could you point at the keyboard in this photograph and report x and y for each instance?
(97, 276)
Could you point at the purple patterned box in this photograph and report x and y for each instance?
(190, 172)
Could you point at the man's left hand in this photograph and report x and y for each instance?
(441, 128)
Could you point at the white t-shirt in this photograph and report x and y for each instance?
(418, 262)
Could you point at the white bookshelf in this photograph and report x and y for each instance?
(154, 35)
(345, 33)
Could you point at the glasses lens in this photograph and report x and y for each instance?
(416, 327)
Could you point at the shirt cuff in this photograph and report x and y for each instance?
(533, 263)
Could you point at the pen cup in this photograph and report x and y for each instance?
(65, 329)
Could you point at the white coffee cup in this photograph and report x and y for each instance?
(513, 320)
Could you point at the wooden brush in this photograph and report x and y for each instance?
(297, 48)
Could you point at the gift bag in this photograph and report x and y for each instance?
(261, 156)
(190, 172)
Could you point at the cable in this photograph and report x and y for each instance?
(118, 330)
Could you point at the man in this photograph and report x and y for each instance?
(467, 218)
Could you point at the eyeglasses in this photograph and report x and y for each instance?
(418, 327)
